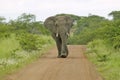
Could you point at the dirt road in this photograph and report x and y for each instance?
(75, 67)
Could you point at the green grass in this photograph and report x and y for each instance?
(108, 68)
(13, 57)
(111, 68)
(7, 45)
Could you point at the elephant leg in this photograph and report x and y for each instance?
(64, 52)
(58, 43)
(64, 49)
(67, 52)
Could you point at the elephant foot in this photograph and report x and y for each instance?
(63, 55)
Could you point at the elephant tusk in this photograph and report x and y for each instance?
(57, 35)
(68, 34)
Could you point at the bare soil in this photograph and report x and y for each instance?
(49, 67)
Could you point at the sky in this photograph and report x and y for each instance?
(11, 9)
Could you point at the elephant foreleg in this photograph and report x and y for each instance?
(58, 43)
(64, 49)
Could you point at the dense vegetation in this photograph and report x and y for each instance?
(21, 41)
(102, 37)
(24, 39)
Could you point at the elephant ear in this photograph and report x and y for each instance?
(49, 23)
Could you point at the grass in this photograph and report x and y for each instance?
(13, 57)
(111, 68)
(7, 45)
(108, 68)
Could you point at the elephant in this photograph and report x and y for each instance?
(60, 26)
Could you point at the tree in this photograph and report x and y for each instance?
(27, 23)
(2, 19)
(27, 18)
(24, 22)
(115, 15)
(92, 22)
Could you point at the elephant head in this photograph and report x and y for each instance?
(60, 28)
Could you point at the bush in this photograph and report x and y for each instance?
(83, 37)
(116, 42)
(106, 59)
(5, 31)
(100, 48)
(31, 42)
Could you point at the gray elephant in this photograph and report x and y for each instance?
(60, 27)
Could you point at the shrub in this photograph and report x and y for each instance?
(101, 48)
(31, 42)
(116, 42)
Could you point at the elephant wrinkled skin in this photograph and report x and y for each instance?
(60, 27)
